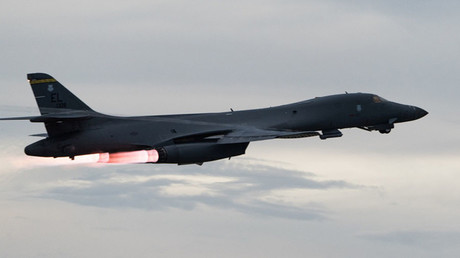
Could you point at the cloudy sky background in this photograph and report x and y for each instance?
(362, 195)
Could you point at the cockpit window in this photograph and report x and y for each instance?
(378, 99)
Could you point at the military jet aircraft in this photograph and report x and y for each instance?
(74, 129)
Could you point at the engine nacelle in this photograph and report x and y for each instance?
(197, 153)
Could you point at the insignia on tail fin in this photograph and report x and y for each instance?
(61, 111)
(53, 97)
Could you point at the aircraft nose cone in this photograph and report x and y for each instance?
(419, 112)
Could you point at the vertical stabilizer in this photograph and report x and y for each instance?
(53, 97)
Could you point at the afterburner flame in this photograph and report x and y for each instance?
(142, 156)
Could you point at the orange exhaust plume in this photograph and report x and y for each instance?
(142, 156)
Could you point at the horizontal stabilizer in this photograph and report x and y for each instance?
(18, 118)
(77, 115)
(74, 115)
(39, 135)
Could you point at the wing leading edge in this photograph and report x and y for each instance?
(255, 134)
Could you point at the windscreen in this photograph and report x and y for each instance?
(378, 99)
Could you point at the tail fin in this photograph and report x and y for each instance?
(53, 97)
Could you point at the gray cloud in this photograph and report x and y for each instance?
(241, 190)
(181, 56)
(299, 44)
(424, 239)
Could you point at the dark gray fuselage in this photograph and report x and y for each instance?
(102, 133)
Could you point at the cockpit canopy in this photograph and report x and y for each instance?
(377, 99)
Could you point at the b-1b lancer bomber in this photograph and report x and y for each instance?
(74, 129)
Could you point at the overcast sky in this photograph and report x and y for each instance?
(362, 195)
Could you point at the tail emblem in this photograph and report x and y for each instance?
(50, 87)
